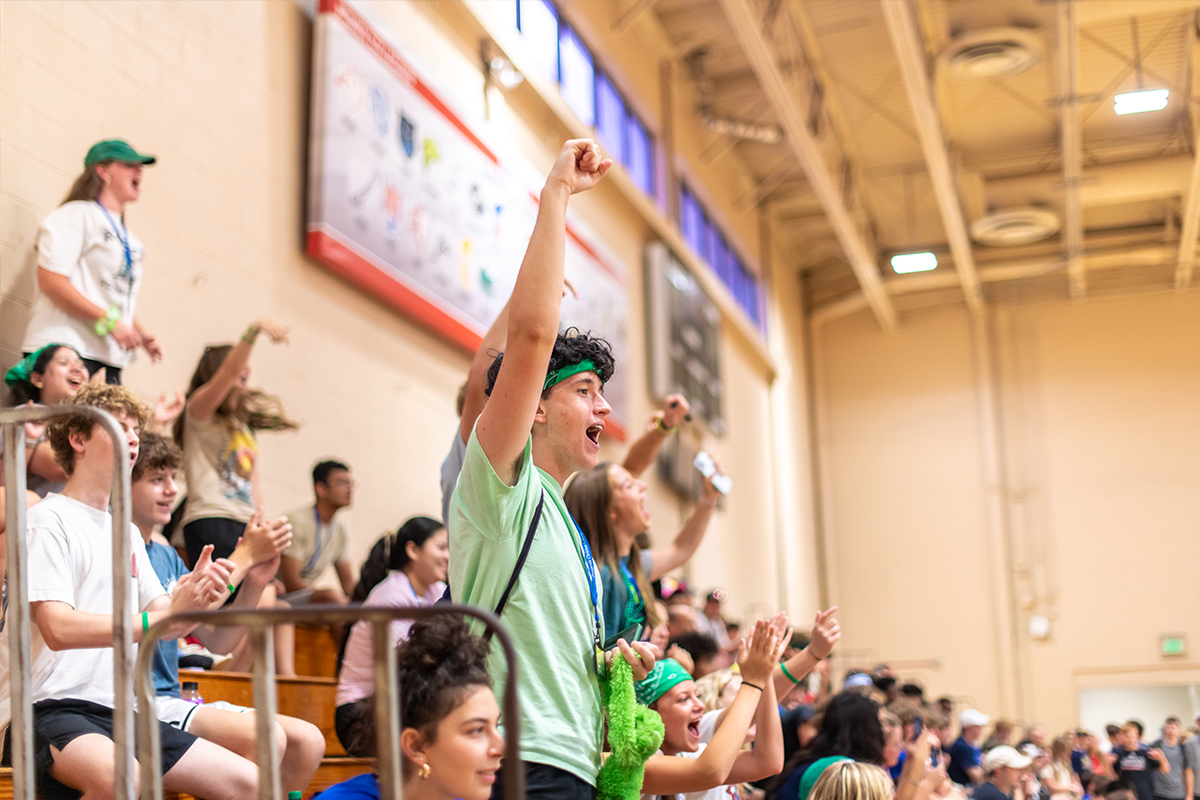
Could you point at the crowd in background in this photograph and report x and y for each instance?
(531, 528)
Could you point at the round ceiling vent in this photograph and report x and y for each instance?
(991, 53)
(1010, 227)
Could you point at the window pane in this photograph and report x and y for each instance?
(578, 84)
(539, 29)
(640, 157)
(610, 118)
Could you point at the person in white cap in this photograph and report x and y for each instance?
(965, 754)
(1004, 768)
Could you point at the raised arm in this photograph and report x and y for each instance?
(643, 452)
(506, 420)
(766, 758)
(474, 399)
(65, 628)
(825, 634)
(713, 768)
(205, 401)
(683, 546)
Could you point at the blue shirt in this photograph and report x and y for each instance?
(364, 787)
(170, 568)
(963, 756)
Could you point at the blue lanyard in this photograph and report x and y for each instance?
(124, 240)
(318, 541)
(631, 583)
(589, 569)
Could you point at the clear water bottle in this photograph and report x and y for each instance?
(191, 692)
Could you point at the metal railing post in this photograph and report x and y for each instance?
(13, 420)
(17, 617)
(259, 621)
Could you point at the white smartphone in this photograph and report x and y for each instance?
(708, 468)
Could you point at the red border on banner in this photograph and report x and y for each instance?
(363, 31)
(346, 262)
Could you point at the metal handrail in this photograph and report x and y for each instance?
(12, 421)
(261, 624)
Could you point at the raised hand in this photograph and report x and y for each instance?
(200, 589)
(278, 334)
(683, 657)
(756, 658)
(264, 540)
(675, 410)
(168, 408)
(579, 166)
(825, 634)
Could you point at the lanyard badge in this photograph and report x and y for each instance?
(589, 569)
(127, 269)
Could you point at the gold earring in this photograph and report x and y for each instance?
(424, 773)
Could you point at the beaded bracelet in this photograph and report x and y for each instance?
(104, 326)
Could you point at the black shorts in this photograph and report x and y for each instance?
(60, 722)
(543, 782)
(221, 533)
(343, 724)
(111, 374)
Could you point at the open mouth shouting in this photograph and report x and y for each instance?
(693, 728)
(593, 433)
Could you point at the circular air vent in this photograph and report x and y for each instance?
(1010, 227)
(991, 53)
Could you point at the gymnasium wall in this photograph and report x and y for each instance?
(1044, 461)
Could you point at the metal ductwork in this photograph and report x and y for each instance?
(766, 134)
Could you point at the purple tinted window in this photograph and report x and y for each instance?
(578, 76)
(610, 118)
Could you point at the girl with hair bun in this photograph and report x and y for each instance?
(450, 745)
(416, 558)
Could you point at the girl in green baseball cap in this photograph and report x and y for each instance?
(90, 265)
(708, 770)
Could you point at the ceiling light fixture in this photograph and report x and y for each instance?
(1140, 101)
(913, 262)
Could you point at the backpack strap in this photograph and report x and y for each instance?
(512, 581)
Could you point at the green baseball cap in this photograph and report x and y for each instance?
(115, 150)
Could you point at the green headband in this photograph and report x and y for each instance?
(24, 368)
(666, 675)
(814, 772)
(556, 376)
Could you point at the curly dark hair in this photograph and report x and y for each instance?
(437, 667)
(571, 347)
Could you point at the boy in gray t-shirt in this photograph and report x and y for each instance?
(1172, 785)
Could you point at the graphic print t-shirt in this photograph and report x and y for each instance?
(219, 463)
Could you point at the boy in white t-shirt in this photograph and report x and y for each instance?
(70, 594)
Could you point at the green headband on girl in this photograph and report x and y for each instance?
(666, 675)
(24, 368)
(556, 376)
(814, 772)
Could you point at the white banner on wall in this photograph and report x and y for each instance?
(408, 203)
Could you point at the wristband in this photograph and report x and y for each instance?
(662, 426)
(145, 621)
(104, 326)
(751, 685)
(232, 589)
(790, 676)
(251, 334)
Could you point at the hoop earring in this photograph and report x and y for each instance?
(424, 773)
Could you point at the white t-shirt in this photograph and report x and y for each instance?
(70, 557)
(79, 241)
(727, 792)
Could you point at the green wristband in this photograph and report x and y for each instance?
(145, 621)
(790, 676)
(104, 326)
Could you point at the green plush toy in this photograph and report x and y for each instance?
(634, 732)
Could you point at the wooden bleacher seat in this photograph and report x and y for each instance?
(310, 699)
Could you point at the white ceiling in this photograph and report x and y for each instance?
(830, 73)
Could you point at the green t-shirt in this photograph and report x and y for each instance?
(549, 613)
